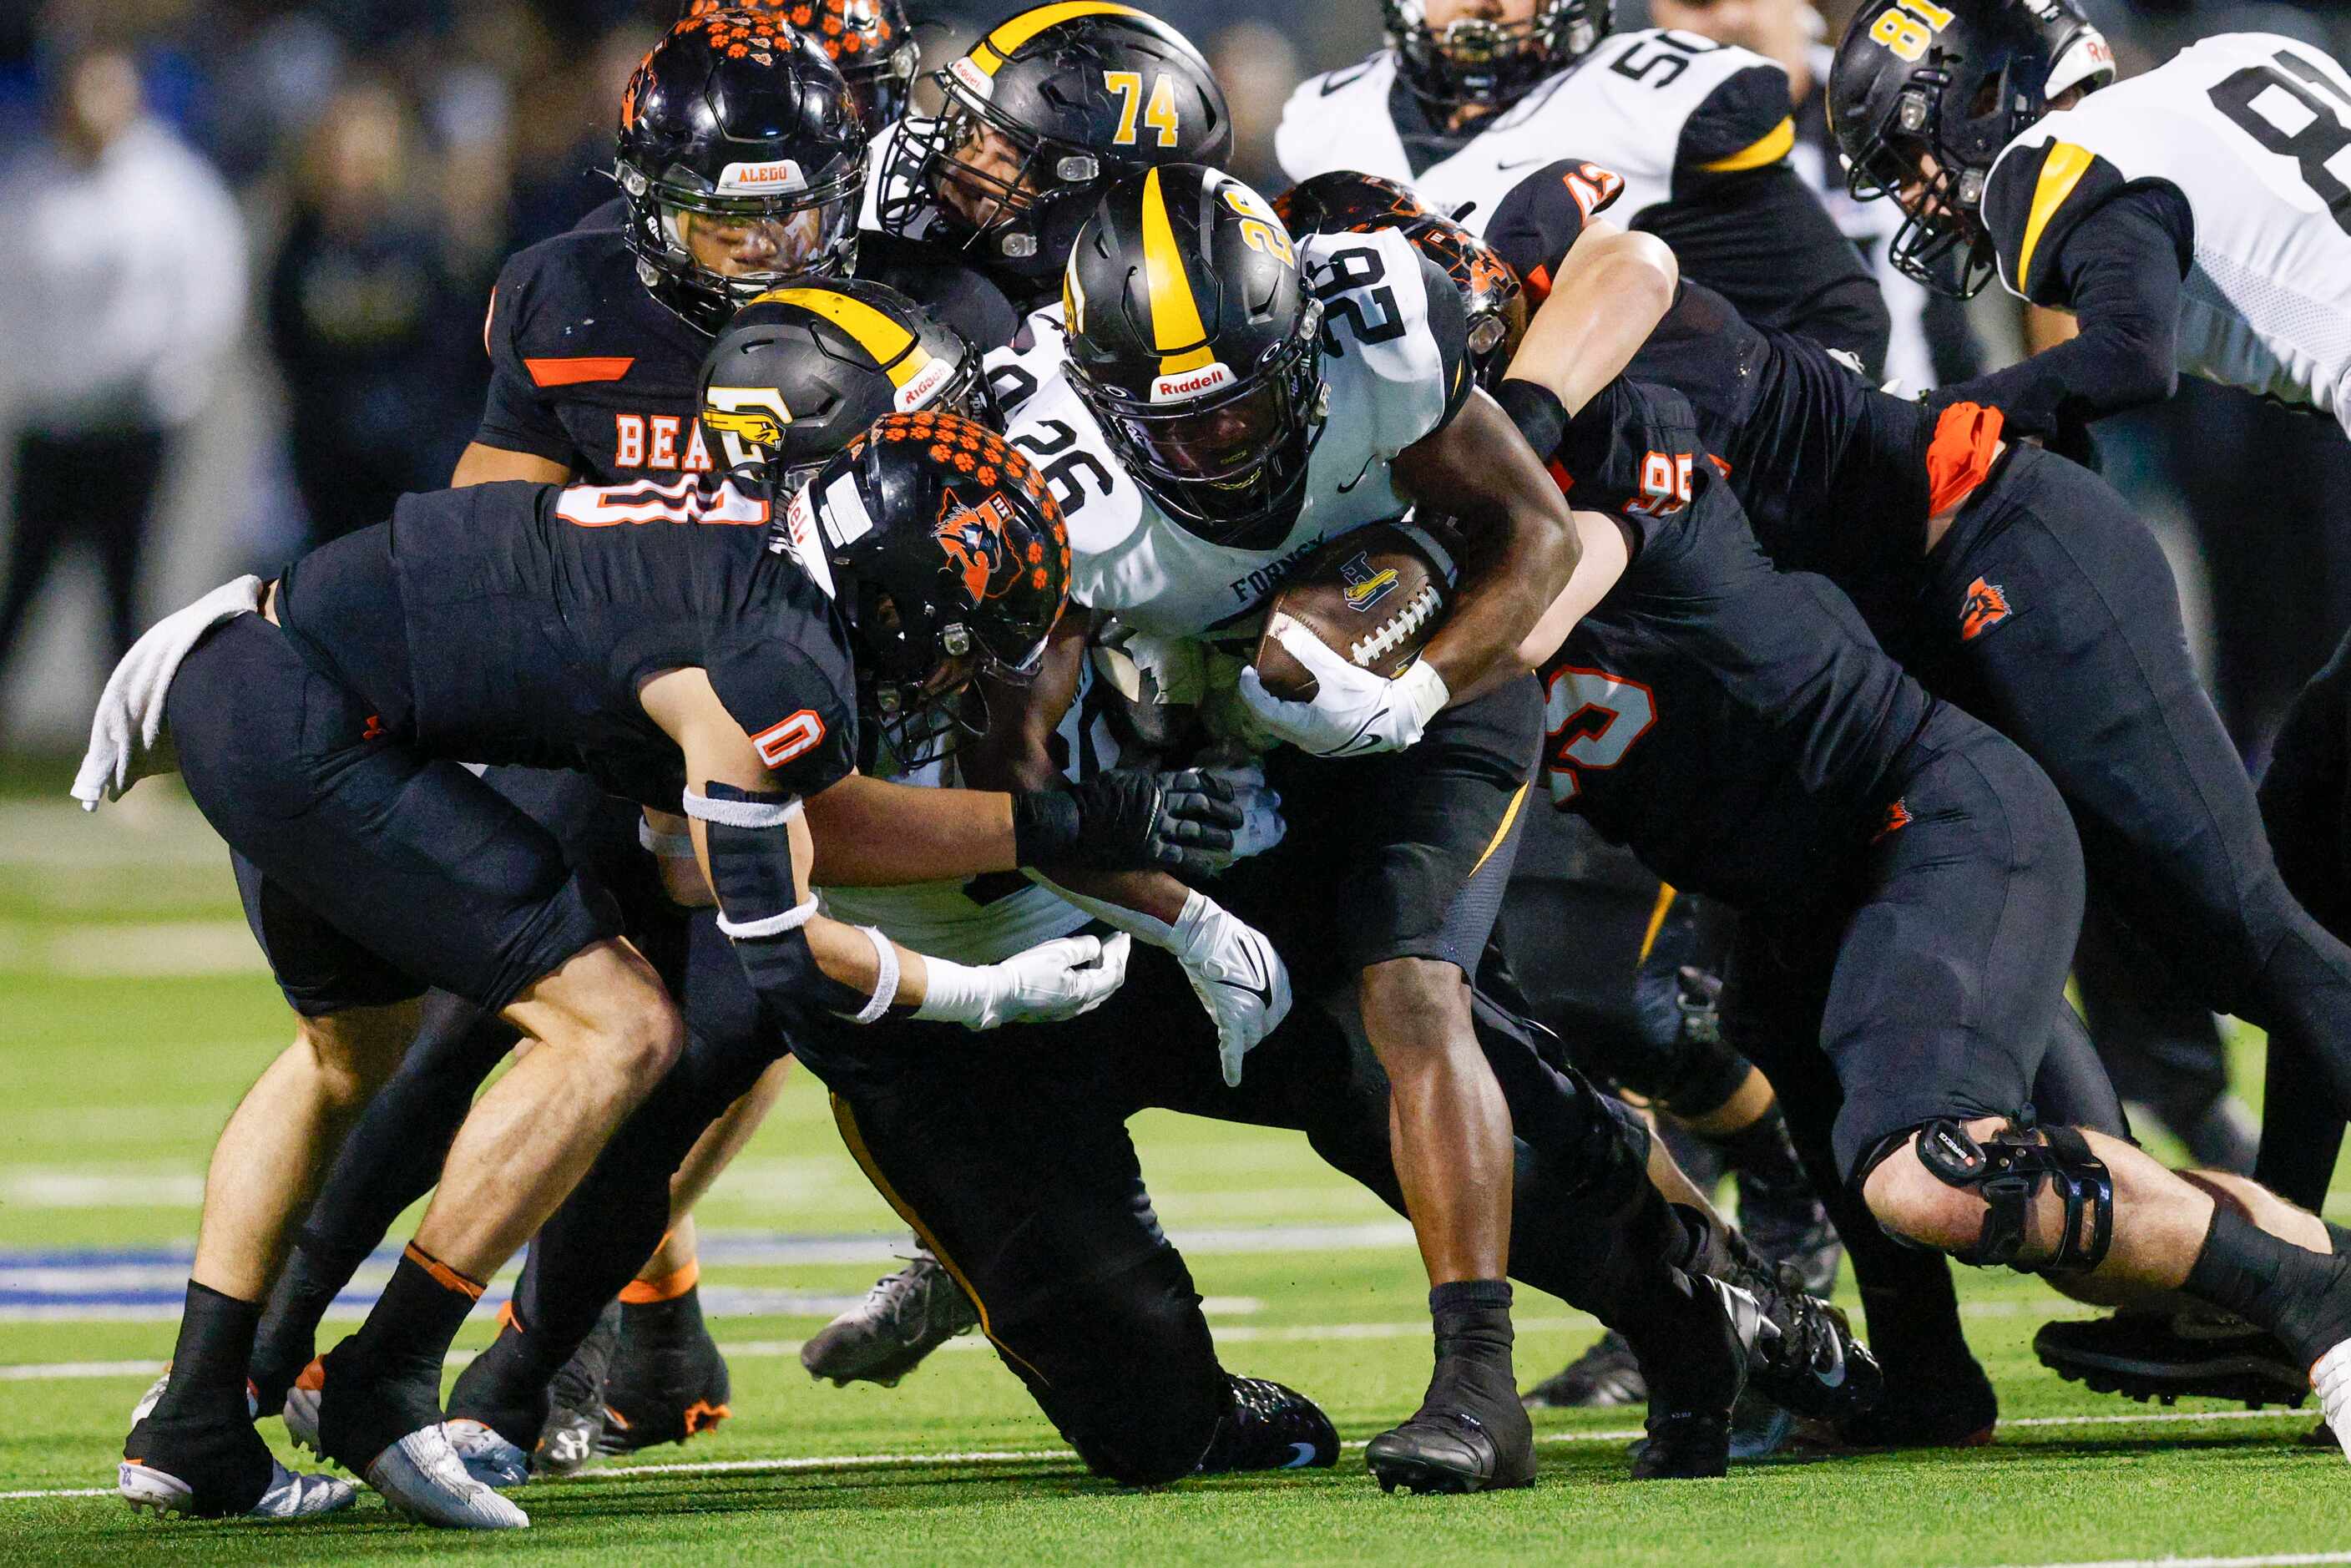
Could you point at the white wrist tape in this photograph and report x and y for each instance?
(954, 993)
(791, 919)
(885, 983)
(667, 846)
(741, 814)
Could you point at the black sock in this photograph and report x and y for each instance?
(315, 1274)
(208, 1360)
(1473, 1319)
(2271, 1282)
(408, 1332)
(1762, 1149)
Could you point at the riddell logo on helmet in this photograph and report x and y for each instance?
(921, 386)
(966, 71)
(1191, 383)
(783, 174)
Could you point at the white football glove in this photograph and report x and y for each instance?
(127, 738)
(1050, 982)
(1237, 975)
(1262, 826)
(1354, 712)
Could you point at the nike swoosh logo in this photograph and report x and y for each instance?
(1343, 78)
(1260, 986)
(1835, 1377)
(1517, 163)
(1301, 1455)
(1358, 478)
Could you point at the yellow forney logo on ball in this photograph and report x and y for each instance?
(1365, 587)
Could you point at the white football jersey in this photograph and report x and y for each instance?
(1648, 105)
(2255, 131)
(1389, 385)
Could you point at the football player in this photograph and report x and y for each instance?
(1901, 869)
(1651, 1036)
(1229, 400)
(596, 339)
(2195, 218)
(692, 667)
(1018, 1170)
(1470, 94)
(2019, 584)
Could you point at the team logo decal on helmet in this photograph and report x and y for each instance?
(1914, 81)
(741, 160)
(1486, 63)
(870, 41)
(973, 538)
(1036, 119)
(1343, 202)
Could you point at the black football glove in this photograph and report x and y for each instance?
(1129, 819)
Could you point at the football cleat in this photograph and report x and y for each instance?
(667, 1380)
(1608, 1373)
(1689, 1430)
(424, 1480)
(488, 1458)
(148, 1401)
(1448, 1451)
(289, 1495)
(904, 1318)
(1809, 1361)
(1270, 1427)
(2201, 1353)
(576, 1420)
(2331, 1378)
(1952, 1408)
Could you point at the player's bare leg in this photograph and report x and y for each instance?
(606, 1031)
(194, 1450)
(1451, 1130)
(2107, 1223)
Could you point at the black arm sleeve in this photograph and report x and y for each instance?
(1762, 240)
(2119, 271)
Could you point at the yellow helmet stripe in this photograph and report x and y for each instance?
(989, 52)
(1175, 329)
(2064, 171)
(1768, 148)
(878, 335)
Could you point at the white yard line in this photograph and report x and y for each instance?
(2280, 1560)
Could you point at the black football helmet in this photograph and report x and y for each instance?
(737, 126)
(1343, 202)
(1491, 65)
(801, 370)
(945, 553)
(1193, 342)
(1034, 123)
(1959, 84)
(870, 40)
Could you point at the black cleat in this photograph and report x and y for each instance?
(668, 1381)
(2201, 1353)
(1270, 1427)
(1813, 1365)
(576, 1425)
(904, 1318)
(1608, 1373)
(216, 1469)
(1951, 1409)
(1470, 1433)
(1691, 1401)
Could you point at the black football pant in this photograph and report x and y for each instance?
(2306, 805)
(2052, 615)
(1008, 1154)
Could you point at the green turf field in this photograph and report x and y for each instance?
(133, 1010)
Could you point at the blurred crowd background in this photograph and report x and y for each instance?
(246, 246)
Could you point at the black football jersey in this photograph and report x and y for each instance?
(589, 369)
(1730, 722)
(514, 623)
(1831, 472)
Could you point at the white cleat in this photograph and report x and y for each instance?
(147, 1401)
(290, 1495)
(302, 1408)
(422, 1480)
(2331, 1380)
(488, 1458)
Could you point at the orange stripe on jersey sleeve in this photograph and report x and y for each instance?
(566, 372)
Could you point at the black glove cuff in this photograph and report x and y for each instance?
(1536, 410)
(1046, 826)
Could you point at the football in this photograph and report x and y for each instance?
(1376, 596)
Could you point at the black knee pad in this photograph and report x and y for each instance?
(1126, 1369)
(2008, 1171)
